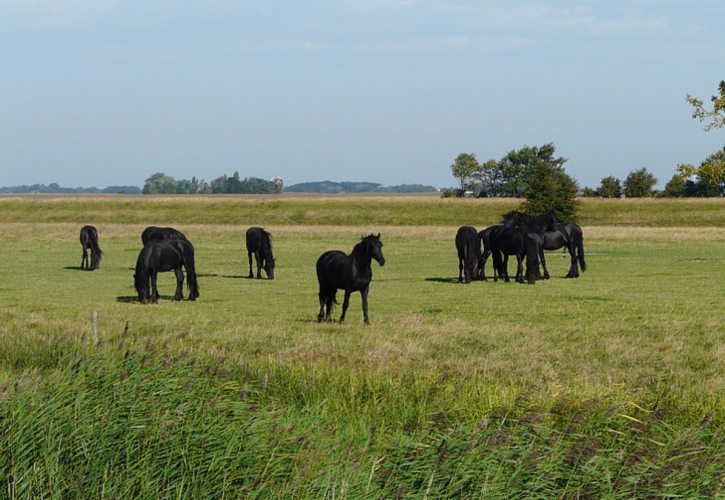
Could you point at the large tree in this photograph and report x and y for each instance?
(465, 168)
(518, 165)
(549, 187)
(716, 115)
(639, 183)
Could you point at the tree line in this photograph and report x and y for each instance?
(160, 183)
(532, 172)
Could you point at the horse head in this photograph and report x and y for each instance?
(269, 267)
(142, 287)
(374, 248)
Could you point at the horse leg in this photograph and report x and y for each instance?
(328, 305)
(364, 293)
(573, 269)
(154, 289)
(543, 263)
(179, 294)
(84, 259)
(460, 270)
(249, 254)
(345, 303)
(505, 268)
(323, 300)
(484, 258)
(258, 258)
(519, 268)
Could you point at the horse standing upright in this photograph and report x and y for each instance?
(162, 256)
(351, 273)
(567, 235)
(89, 240)
(468, 245)
(259, 243)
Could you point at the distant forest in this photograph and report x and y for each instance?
(160, 183)
(330, 187)
(55, 188)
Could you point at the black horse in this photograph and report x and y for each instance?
(351, 273)
(89, 240)
(259, 243)
(160, 256)
(485, 236)
(160, 233)
(521, 240)
(468, 245)
(556, 236)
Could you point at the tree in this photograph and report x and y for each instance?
(716, 114)
(610, 187)
(549, 187)
(639, 183)
(518, 165)
(675, 187)
(588, 192)
(159, 183)
(464, 169)
(706, 180)
(491, 179)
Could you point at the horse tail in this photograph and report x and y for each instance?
(580, 252)
(96, 252)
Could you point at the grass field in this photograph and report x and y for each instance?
(609, 385)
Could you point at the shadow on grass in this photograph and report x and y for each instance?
(443, 280)
(74, 268)
(130, 299)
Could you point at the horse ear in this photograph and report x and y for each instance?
(378, 236)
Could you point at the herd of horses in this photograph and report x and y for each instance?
(167, 249)
(521, 235)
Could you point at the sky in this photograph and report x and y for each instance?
(107, 92)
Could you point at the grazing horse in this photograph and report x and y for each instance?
(556, 236)
(351, 273)
(160, 233)
(160, 256)
(522, 240)
(259, 243)
(89, 240)
(468, 245)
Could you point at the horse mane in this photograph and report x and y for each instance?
(362, 244)
(516, 218)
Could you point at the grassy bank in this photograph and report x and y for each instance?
(344, 210)
(609, 385)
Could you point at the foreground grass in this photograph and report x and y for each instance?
(610, 385)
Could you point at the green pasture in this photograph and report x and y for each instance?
(608, 385)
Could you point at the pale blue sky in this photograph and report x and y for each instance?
(100, 92)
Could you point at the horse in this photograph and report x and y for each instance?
(556, 236)
(162, 256)
(485, 237)
(89, 240)
(259, 243)
(160, 233)
(351, 273)
(522, 240)
(468, 245)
